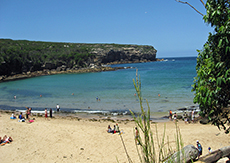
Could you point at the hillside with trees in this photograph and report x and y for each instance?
(22, 56)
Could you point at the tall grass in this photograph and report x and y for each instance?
(147, 151)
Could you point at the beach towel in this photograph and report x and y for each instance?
(12, 118)
(31, 121)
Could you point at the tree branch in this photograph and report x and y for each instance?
(203, 2)
(192, 6)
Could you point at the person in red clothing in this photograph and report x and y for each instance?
(46, 114)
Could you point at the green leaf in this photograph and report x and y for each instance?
(220, 43)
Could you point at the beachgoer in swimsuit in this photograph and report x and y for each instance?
(170, 115)
(136, 136)
(175, 116)
(27, 114)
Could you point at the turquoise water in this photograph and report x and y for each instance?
(172, 79)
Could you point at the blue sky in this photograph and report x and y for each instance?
(174, 29)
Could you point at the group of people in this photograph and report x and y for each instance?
(21, 117)
(200, 149)
(172, 116)
(5, 140)
(186, 117)
(114, 130)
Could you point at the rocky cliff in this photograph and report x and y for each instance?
(123, 54)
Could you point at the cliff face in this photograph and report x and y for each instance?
(23, 57)
(132, 53)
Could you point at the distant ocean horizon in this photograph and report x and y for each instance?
(165, 84)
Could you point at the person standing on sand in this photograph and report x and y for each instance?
(136, 136)
(193, 116)
(185, 115)
(27, 114)
(58, 108)
(199, 147)
(46, 114)
(50, 113)
(175, 117)
(170, 115)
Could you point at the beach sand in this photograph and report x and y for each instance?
(72, 140)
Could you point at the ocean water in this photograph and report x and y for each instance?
(172, 79)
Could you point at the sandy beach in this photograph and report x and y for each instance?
(72, 140)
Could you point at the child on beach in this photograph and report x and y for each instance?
(13, 116)
(209, 150)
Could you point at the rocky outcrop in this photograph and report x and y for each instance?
(187, 154)
(123, 54)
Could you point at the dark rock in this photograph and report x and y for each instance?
(204, 121)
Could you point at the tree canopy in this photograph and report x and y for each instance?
(212, 83)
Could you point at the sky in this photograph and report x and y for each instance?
(173, 29)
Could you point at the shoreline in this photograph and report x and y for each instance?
(160, 117)
(68, 139)
(45, 72)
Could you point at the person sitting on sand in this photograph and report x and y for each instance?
(117, 128)
(109, 129)
(21, 116)
(13, 116)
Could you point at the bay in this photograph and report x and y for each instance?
(165, 84)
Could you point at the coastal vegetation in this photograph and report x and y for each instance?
(211, 85)
(18, 55)
(22, 56)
